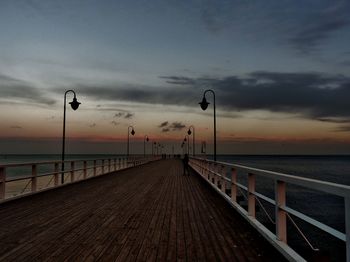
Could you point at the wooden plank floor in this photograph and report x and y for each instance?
(147, 213)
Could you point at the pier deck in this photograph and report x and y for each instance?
(145, 213)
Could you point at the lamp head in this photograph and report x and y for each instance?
(133, 132)
(185, 139)
(74, 104)
(204, 104)
(147, 139)
(189, 132)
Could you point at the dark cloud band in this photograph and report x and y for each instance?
(312, 95)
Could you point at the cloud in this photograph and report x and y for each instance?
(120, 114)
(334, 120)
(115, 123)
(305, 27)
(129, 115)
(12, 88)
(124, 114)
(342, 129)
(178, 80)
(314, 28)
(310, 95)
(164, 124)
(92, 125)
(177, 126)
(310, 37)
(16, 127)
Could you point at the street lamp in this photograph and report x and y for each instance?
(132, 133)
(158, 146)
(145, 139)
(204, 105)
(188, 146)
(74, 104)
(153, 146)
(189, 133)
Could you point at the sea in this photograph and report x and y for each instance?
(323, 207)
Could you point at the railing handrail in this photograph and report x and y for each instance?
(324, 186)
(99, 166)
(60, 161)
(215, 172)
(322, 226)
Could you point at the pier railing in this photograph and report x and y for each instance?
(25, 178)
(222, 176)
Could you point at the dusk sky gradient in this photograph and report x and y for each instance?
(280, 70)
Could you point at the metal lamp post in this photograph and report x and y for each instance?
(132, 133)
(186, 139)
(153, 148)
(145, 139)
(193, 138)
(158, 146)
(75, 105)
(204, 105)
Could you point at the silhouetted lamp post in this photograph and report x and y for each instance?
(158, 146)
(186, 139)
(132, 133)
(153, 145)
(189, 133)
(74, 104)
(145, 139)
(204, 105)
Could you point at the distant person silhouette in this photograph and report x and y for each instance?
(185, 162)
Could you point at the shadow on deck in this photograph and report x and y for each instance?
(146, 213)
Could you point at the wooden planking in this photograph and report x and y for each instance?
(147, 213)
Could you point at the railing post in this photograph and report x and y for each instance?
(223, 178)
(233, 185)
(280, 215)
(103, 166)
(34, 178)
(57, 175)
(2, 182)
(210, 175)
(217, 178)
(72, 171)
(109, 166)
(85, 169)
(213, 176)
(115, 164)
(119, 164)
(208, 170)
(251, 196)
(203, 165)
(94, 167)
(347, 226)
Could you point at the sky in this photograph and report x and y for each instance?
(279, 69)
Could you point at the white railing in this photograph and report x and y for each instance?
(215, 173)
(27, 178)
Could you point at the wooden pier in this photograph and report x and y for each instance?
(145, 213)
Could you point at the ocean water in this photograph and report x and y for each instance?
(326, 208)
